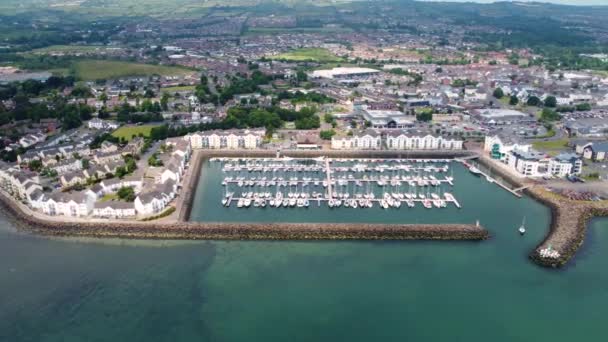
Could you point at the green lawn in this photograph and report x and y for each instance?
(89, 70)
(551, 145)
(172, 90)
(309, 54)
(127, 132)
(109, 197)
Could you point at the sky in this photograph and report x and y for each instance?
(563, 2)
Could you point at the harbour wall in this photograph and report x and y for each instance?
(569, 220)
(238, 231)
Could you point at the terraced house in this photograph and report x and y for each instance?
(231, 139)
(366, 140)
(404, 141)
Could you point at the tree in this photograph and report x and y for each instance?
(121, 171)
(498, 93)
(534, 101)
(581, 107)
(35, 165)
(551, 102)
(326, 135)
(103, 113)
(549, 115)
(71, 120)
(425, 116)
(126, 193)
(164, 102)
(328, 118)
(513, 100)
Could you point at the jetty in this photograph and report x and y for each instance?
(489, 178)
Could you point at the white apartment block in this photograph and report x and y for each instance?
(232, 139)
(368, 140)
(402, 141)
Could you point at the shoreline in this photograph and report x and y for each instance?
(569, 220)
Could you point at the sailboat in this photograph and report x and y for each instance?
(522, 228)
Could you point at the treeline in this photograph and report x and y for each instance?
(416, 78)
(70, 115)
(35, 88)
(299, 96)
(241, 84)
(270, 119)
(145, 112)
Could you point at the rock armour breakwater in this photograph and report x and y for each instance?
(569, 221)
(241, 231)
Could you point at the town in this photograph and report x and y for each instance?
(113, 139)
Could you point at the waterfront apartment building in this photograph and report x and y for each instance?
(114, 209)
(230, 139)
(499, 147)
(366, 140)
(530, 163)
(535, 164)
(403, 141)
(71, 204)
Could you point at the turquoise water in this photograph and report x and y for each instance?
(117, 290)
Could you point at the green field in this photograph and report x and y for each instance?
(172, 90)
(71, 49)
(309, 54)
(109, 197)
(551, 145)
(90, 70)
(127, 132)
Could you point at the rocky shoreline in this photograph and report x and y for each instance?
(569, 221)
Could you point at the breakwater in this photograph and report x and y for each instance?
(241, 231)
(569, 220)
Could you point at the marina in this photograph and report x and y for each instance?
(350, 183)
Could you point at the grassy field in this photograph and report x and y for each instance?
(318, 30)
(70, 49)
(551, 145)
(127, 132)
(172, 90)
(90, 70)
(309, 54)
(109, 197)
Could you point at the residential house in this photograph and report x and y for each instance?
(403, 141)
(366, 140)
(114, 209)
(592, 150)
(72, 204)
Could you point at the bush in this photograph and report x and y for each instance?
(551, 102)
(498, 93)
(326, 135)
